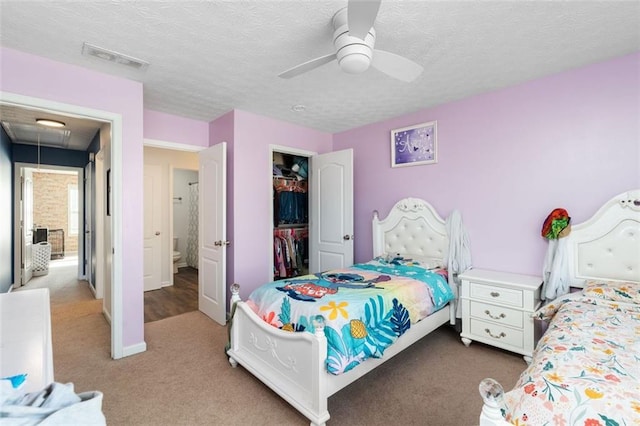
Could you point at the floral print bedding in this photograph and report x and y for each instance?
(366, 307)
(586, 367)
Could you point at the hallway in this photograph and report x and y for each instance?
(68, 294)
(63, 284)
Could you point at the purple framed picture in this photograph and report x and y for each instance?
(414, 145)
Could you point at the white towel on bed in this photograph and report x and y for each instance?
(458, 259)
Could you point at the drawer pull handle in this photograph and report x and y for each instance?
(502, 315)
(495, 294)
(499, 336)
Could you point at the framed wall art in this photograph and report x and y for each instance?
(414, 145)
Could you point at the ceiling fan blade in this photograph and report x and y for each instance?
(396, 66)
(307, 66)
(361, 14)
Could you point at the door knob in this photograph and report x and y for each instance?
(348, 237)
(222, 243)
(157, 232)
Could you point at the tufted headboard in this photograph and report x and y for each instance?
(412, 229)
(607, 246)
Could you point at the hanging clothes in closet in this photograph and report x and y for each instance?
(290, 201)
(290, 252)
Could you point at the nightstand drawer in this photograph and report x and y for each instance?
(495, 332)
(497, 314)
(506, 296)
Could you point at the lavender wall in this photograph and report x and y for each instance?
(221, 130)
(171, 128)
(37, 77)
(252, 191)
(507, 158)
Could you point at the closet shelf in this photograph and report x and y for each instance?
(292, 226)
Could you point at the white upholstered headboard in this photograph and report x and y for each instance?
(607, 246)
(412, 229)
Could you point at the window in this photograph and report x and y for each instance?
(73, 209)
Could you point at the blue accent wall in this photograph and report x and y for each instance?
(6, 217)
(49, 156)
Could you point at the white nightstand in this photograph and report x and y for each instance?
(497, 308)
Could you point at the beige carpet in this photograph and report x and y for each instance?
(184, 379)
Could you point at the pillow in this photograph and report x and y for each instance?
(409, 260)
(616, 291)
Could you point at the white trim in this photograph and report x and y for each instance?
(172, 145)
(282, 150)
(116, 173)
(17, 189)
(134, 349)
(175, 146)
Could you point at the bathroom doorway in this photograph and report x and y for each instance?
(175, 231)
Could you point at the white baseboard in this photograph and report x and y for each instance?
(166, 284)
(182, 264)
(106, 314)
(134, 349)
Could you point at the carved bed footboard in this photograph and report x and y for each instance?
(291, 364)
(294, 364)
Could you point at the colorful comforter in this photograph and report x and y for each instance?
(366, 307)
(586, 367)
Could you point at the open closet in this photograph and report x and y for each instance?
(312, 220)
(290, 215)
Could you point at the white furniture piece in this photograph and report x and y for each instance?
(497, 308)
(605, 247)
(293, 364)
(25, 337)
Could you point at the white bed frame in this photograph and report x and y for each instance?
(293, 364)
(607, 247)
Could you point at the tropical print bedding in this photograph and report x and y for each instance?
(366, 307)
(586, 367)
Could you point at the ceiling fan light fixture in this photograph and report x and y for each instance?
(355, 63)
(353, 54)
(50, 122)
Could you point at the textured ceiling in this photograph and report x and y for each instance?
(209, 57)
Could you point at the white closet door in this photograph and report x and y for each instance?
(331, 211)
(212, 232)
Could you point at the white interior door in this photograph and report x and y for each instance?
(331, 211)
(152, 222)
(88, 220)
(212, 232)
(26, 218)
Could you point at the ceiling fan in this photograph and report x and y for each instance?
(354, 38)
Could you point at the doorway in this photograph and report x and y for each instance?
(110, 263)
(170, 231)
(53, 220)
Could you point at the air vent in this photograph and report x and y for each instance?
(115, 57)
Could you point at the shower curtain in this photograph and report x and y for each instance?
(192, 237)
